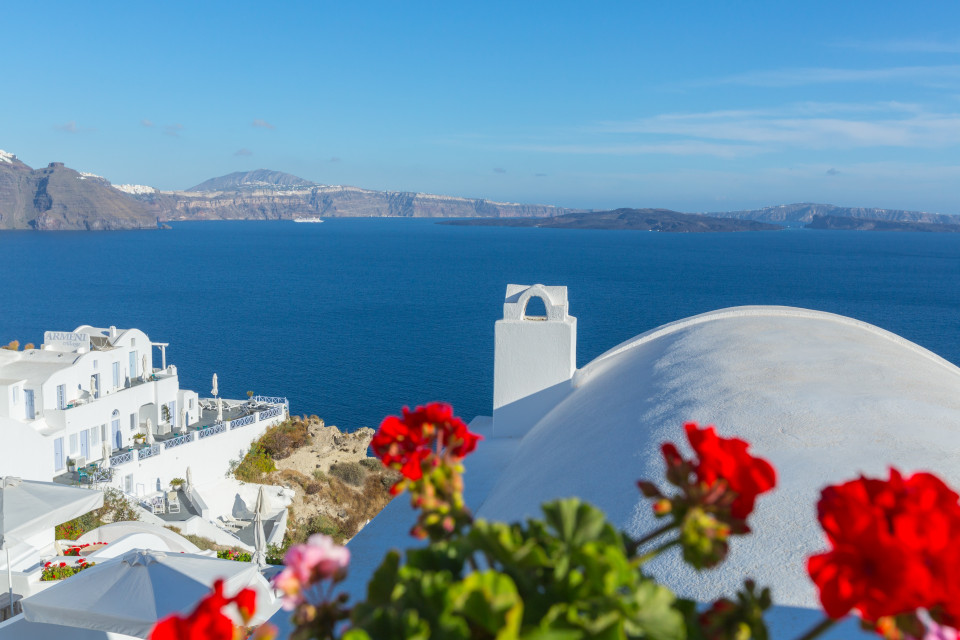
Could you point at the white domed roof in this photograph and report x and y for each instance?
(823, 397)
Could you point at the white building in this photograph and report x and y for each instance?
(83, 396)
(823, 397)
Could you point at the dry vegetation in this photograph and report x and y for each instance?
(338, 489)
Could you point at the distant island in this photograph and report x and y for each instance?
(630, 219)
(58, 198)
(838, 223)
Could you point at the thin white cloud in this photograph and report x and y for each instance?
(146, 123)
(173, 130)
(243, 152)
(883, 125)
(262, 124)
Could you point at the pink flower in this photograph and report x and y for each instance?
(319, 559)
(938, 632)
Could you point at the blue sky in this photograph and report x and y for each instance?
(692, 106)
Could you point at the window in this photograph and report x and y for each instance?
(103, 432)
(190, 405)
(61, 396)
(16, 395)
(133, 422)
(133, 342)
(73, 444)
(116, 374)
(94, 364)
(95, 436)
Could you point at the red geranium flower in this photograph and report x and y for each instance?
(891, 547)
(403, 443)
(727, 459)
(207, 621)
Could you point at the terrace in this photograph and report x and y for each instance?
(235, 414)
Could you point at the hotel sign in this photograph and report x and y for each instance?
(67, 340)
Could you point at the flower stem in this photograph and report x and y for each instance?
(635, 545)
(650, 555)
(822, 626)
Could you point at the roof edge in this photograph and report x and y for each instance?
(757, 311)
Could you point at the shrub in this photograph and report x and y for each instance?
(285, 438)
(312, 488)
(350, 472)
(292, 476)
(116, 508)
(256, 464)
(389, 479)
(372, 463)
(319, 475)
(199, 541)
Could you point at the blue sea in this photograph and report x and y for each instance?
(354, 318)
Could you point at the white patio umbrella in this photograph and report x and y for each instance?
(21, 629)
(149, 431)
(93, 386)
(27, 507)
(144, 375)
(220, 409)
(189, 478)
(182, 425)
(130, 593)
(107, 450)
(214, 391)
(259, 539)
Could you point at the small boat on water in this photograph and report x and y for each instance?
(308, 219)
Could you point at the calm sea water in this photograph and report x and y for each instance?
(352, 319)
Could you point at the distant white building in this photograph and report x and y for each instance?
(83, 396)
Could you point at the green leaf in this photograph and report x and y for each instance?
(381, 585)
(489, 600)
(656, 615)
(575, 522)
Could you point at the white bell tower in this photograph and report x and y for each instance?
(534, 355)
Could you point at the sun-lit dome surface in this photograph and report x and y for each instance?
(823, 397)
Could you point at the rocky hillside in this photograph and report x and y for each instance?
(273, 195)
(800, 214)
(632, 219)
(259, 178)
(59, 198)
(866, 224)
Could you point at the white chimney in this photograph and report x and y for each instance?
(113, 332)
(533, 357)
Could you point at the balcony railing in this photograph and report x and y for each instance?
(148, 452)
(269, 413)
(179, 440)
(244, 421)
(272, 400)
(122, 458)
(219, 427)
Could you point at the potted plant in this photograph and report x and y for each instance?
(139, 438)
(165, 413)
(177, 483)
